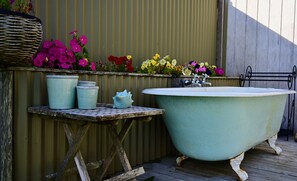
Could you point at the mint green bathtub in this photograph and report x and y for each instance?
(220, 123)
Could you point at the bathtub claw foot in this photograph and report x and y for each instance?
(180, 159)
(235, 164)
(271, 141)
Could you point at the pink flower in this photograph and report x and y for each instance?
(62, 59)
(75, 46)
(73, 32)
(52, 51)
(83, 62)
(219, 71)
(83, 39)
(65, 66)
(47, 44)
(51, 58)
(202, 69)
(93, 66)
(196, 70)
(193, 63)
(61, 51)
(59, 44)
(70, 53)
(39, 59)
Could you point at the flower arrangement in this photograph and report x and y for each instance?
(202, 68)
(22, 6)
(158, 65)
(121, 64)
(55, 54)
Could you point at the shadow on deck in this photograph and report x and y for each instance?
(260, 163)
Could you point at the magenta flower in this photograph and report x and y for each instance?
(75, 46)
(83, 62)
(65, 66)
(73, 32)
(70, 53)
(219, 71)
(59, 44)
(47, 44)
(62, 59)
(61, 51)
(196, 70)
(11, 1)
(51, 58)
(39, 59)
(52, 51)
(83, 39)
(93, 66)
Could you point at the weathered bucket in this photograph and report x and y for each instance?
(87, 96)
(61, 91)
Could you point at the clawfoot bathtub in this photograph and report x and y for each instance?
(221, 123)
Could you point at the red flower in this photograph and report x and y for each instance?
(130, 68)
(111, 58)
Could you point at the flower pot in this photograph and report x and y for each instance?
(21, 35)
(87, 96)
(61, 91)
(86, 83)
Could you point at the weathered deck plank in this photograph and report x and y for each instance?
(260, 163)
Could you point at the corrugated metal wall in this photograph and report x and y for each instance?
(184, 29)
(40, 144)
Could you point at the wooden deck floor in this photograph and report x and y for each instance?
(260, 163)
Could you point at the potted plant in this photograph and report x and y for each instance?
(20, 33)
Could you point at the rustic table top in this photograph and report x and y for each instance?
(103, 112)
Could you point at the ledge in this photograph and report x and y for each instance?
(47, 70)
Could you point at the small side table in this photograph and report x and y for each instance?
(104, 114)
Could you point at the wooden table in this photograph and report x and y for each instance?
(103, 114)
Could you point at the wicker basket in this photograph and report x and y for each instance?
(20, 38)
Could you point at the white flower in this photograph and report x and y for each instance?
(162, 61)
(167, 57)
(173, 62)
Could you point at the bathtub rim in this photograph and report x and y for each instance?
(225, 91)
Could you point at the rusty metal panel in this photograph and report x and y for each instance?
(184, 29)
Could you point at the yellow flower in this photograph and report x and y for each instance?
(173, 62)
(145, 64)
(214, 67)
(168, 65)
(129, 57)
(142, 67)
(156, 56)
(153, 62)
(206, 64)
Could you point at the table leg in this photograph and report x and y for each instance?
(122, 135)
(73, 148)
(81, 166)
(120, 150)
